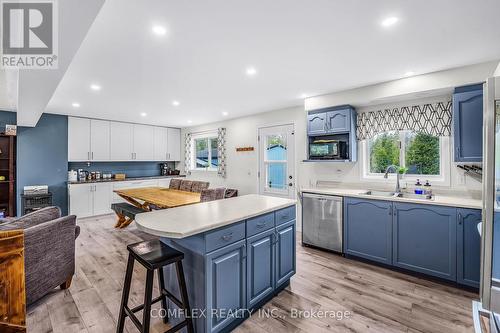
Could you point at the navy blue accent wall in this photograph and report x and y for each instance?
(131, 169)
(7, 117)
(42, 157)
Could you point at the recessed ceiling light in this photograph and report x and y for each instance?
(389, 21)
(225, 113)
(159, 30)
(410, 73)
(176, 103)
(95, 87)
(190, 121)
(251, 71)
(75, 105)
(143, 114)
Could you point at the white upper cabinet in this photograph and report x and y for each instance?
(174, 144)
(160, 145)
(143, 143)
(99, 140)
(78, 139)
(121, 141)
(102, 140)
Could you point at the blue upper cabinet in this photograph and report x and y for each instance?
(468, 247)
(468, 123)
(335, 120)
(368, 229)
(425, 239)
(338, 121)
(316, 123)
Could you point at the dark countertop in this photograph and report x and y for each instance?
(124, 180)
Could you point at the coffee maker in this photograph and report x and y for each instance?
(165, 169)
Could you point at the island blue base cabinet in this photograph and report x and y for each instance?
(235, 269)
(434, 240)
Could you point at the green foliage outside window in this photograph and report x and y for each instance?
(422, 154)
(384, 152)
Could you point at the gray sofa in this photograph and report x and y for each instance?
(49, 250)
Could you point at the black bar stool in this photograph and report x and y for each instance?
(154, 255)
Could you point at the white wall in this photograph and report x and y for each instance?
(242, 167)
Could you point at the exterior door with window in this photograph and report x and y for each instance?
(276, 161)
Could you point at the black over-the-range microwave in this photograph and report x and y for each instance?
(322, 149)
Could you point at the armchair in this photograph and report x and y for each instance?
(49, 250)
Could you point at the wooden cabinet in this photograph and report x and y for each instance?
(121, 141)
(468, 123)
(368, 229)
(285, 252)
(468, 247)
(260, 266)
(174, 144)
(424, 239)
(78, 139)
(338, 121)
(316, 123)
(226, 283)
(99, 140)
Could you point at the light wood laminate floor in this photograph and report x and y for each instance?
(377, 299)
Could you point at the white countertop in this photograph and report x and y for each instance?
(190, 220)
(440, 200)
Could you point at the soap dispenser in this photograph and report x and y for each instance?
(418, 187)
(427, 189)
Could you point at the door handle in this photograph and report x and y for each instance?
(460, 218)
(92, 155)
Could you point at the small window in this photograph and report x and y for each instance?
(418, 152)
(205, 153)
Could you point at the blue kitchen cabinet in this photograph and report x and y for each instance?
(226, 283)
(468, 123)
(285, 252)
(316, 123)
(260, 266)
(425, 239)
(368, 229)
(468, 247)
(338, 121)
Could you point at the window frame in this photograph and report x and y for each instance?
(443, 179)
(203, 136)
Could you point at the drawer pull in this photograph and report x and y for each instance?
(227, 236)
(261, 225)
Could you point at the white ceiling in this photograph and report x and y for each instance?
(297, 46)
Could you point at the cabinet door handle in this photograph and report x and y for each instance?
(88, 155)
(227, 236)
(92, 155)
(390, 210)
(460, 218)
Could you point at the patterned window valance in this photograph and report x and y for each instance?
(434, 119)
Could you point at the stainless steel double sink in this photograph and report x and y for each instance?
(390, 194)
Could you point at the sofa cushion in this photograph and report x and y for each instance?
(34, 218)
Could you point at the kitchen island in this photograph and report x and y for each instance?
(239, 253)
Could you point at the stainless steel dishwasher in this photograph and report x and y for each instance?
(322, 221)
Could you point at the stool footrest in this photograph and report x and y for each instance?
(173, 298)
(177, 327)
(153, 301)
(132, 317)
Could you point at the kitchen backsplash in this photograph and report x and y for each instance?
(131, 169)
